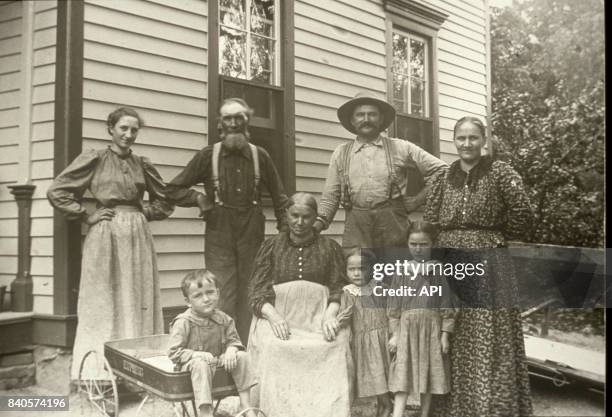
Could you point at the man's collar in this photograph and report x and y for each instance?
(359, 145)
(245, 150)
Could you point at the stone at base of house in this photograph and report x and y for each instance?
(17, 376)
(53, 368)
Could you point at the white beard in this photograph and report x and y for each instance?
(235, 140)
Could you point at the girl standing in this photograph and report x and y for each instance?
(420, 327)
(119, 295)
(369, 328)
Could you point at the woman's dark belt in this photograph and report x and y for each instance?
(122, 207)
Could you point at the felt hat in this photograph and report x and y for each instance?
(345, 111)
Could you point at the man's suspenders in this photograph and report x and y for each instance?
(345, 185)
(215, 172)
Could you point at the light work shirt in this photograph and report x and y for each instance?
(369, 177)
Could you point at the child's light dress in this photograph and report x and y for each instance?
(419, 365)
(369, 336)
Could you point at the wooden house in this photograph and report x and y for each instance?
(64, 65)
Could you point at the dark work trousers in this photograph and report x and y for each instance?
(233, 237)
(383, 226)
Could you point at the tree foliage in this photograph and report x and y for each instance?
(548, 112)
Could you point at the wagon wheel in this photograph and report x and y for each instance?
(257, 412)
(100, 391)
(182, 409)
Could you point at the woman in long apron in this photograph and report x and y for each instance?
(119, 295)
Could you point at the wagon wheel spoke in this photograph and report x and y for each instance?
(101, 390)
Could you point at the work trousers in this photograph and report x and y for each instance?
(233, 237)
(383, 226)
(202, 376)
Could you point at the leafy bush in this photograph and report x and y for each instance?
(548, 112)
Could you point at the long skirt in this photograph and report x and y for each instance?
(119, 294)
(305, 376)
(420, 366)
(488, 369)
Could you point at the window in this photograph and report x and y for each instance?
(412, 31)
(252, 57)
(410, 74)
(410, 68)
(248, 40)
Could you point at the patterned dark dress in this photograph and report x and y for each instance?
(479, 210)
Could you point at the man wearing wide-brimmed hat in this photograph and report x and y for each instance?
(368, 177)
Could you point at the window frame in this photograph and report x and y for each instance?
(423, 22)
(285, 126)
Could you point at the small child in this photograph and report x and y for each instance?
(203, 337)
(420, 328)
(369, 329)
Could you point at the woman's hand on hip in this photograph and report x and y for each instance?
(101, 214)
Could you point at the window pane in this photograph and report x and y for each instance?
(262, 17)
(417, 131)
(232, 53)
(400, 93)
(400, 54)
(232, 13)
(417, 95)
(417, 58)
(259, 98)
(398, 86)
(262, 58)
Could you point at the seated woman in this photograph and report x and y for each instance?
(300, 356)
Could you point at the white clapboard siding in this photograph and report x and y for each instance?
(339, 50)
(10, 102)
(42, 153)
(462, 77)
(152, 55)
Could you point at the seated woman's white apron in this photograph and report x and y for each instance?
(305, 376)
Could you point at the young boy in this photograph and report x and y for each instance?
(203, 337)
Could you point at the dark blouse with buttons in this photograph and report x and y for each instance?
(489, 200)
(280, 260)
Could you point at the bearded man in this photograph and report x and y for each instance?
(368, 177)
(232, 172)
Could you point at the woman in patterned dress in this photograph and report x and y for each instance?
(119, 294)
(478, 204)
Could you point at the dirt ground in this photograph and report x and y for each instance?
(547, 399)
